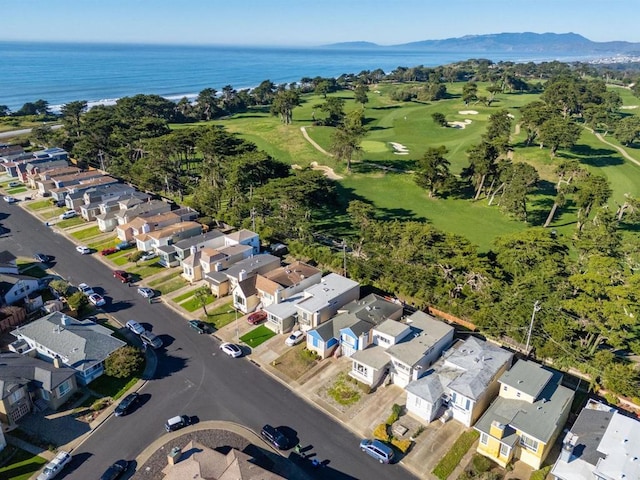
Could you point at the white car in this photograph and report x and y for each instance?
(83, 250)
(14, 184)
(231, 349)
(9, 199)
(146, 292)
(68, 214)
(135, 327)
(86, 289)
(148, 256)
(97, 300)
(55, 466)
(295, 338)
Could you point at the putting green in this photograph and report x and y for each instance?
(373, 146)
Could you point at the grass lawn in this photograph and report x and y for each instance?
(193, 303)
(344, 391)
(32, 269)
(55, 213)
(22, 465)
(221, 316)
(453, 457)
(184, 296)
(39, 205)
(113, 387)
(12, 191)
(165, 278)
(119, 259)
(257, 336)
(70, 222)
(295, 362)
(172, 285)
(147, 269)
(105, 243)
(87, 233)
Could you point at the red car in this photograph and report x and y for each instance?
(121, 275)
(257, 317)
(108, 251)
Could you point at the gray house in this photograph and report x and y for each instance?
(63, 340)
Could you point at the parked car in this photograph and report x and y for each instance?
(135, 327)
(55, 466)
(14, 184)
(146, 292)
(9, 199)
(124, 245)
(127, 404)
(97, 300)
(108, 251)
(200, 327)
(121, 275)
(86, 289)
(83, 250)
(115, 471)
(42, 258)
(295, 338)
(151, 339)
(378, 450)
(275, 437)
(148, 256)
(231, 349)
(176, 423)
(68, 214)
(257, 317)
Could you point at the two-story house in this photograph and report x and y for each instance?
(461, 384)
(156, 239)
(527, 417)
(124, 210)
(15, 287)
(402, 350)
(350, 330)
(44, 181)
(243, 272)
(93, 198)
(59, 338)
(27, 381)
(145, 224)
(602, 444)
(211, 262)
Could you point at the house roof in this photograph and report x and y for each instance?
(252, 265)
(374, 357)
(241, 235)
(80, 344)
(199, 461)
(216, 278)
(198, 239)
(286, 308)
(7, 257)
(289, 275)
(528, 377)
(17, 370)
(620, 446)
(174, 229)
(8, 280)
(320, 295)
(391, 327)
(426, 332)
(248, 286)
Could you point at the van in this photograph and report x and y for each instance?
(151, 339)
(378, 450)
(55, 466)
(176, 423)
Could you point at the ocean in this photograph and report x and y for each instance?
(101, 73)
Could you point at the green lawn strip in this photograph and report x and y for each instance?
(343, 390)
(87, 233)
(104, 243)
(541, 474)
(12, 191)
(32, 269)
(113, 387)
(148, 269)
(184, 296)
(194, 303)
(170, 286)
(22, 465)
(257, 336)
(119, 260)
(39, 205)
(452, 458)
(221, 316)
(70, 222)
(48, 215)
(165, 278)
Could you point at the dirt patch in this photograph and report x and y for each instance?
(295, 362)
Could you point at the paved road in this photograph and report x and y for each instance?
(193, 378)
(24, 131)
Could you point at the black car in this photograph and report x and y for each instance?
(127, 404)
(200, 327)
(41, 257)
(275, 437)
(115, 471)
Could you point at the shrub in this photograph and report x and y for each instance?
(381, 433)
(540, 474)
(99, 404)
(124, 362)
(452, 458)
(612, 398)
(481, 463)
(395, 414)
(402, 445)
(78, 302)
(419, 430)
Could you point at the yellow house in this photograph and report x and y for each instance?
(527, 417)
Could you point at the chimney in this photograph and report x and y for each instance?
(568, 444)
(57, 362)
(174, 456)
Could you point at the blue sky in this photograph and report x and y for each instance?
(306, 23)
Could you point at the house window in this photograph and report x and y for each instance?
(529, 443)
(504, 450)
(383, 340)
(417, 401)
(16, 396)
(240, 300)
(45, 395)
(64, 388)
(518, 394)
(505, 388)
(362, 369)
(484, 439)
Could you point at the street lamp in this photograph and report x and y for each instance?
(237, 329)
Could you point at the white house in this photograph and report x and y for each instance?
(286, 281)
(323, 300)
(14, 288)
(461, 384)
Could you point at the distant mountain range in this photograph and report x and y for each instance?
(526, 42)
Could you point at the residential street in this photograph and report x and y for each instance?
(192, 378)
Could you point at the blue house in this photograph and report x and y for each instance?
(350, 330)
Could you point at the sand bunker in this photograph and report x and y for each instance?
(399, 149)
(328, 171)
(460, 124)
(468, 112)
(629, 107)
(510, 115)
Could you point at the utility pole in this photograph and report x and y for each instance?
(344, 257)
(101, 156)
(253, 219)
(536, 308)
